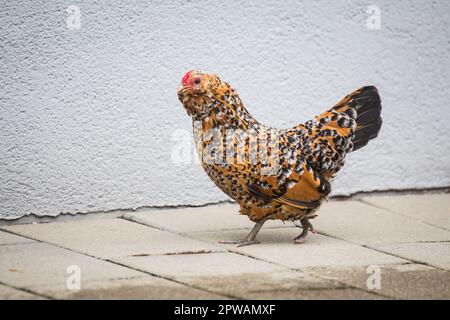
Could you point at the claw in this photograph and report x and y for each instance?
(240, 243)
(231, 241)
(247, 243)
(299, 240)
(249, 239)
(302, 237)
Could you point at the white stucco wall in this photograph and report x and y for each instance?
(87, 115)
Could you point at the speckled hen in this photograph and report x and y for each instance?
(274, 173)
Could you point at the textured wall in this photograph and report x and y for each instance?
(87, 115)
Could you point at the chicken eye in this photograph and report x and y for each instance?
(197, 81)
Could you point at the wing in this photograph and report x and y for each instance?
(293, 182)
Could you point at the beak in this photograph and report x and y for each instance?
(182, 93)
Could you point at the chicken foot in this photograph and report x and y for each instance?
(249, 239)
(307, 226)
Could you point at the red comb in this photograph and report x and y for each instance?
(186, 77)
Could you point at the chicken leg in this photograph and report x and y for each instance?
(249, 239)
(307, 226)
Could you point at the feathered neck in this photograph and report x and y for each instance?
(228, 112)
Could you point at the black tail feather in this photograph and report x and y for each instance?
(367, 104)
(373, 112)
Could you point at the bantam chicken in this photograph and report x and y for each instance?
(274, 174)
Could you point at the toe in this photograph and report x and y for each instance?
(247, 243)
(299, 240)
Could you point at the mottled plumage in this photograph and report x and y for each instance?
(274, 174)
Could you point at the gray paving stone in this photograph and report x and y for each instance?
(314, 294)
(318, 250)
(8, 238)
(8, 293)
(430, 208)
(229, 274)
(107, 238)
(436, 254)
(198, 265)
(34, 264)
(329, 265)
(184, 220)
(410, 281)
(367, 225)
(142, 288)
(249, 285)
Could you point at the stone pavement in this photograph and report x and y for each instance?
(373, 247)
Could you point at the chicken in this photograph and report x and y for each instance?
(274, 173)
